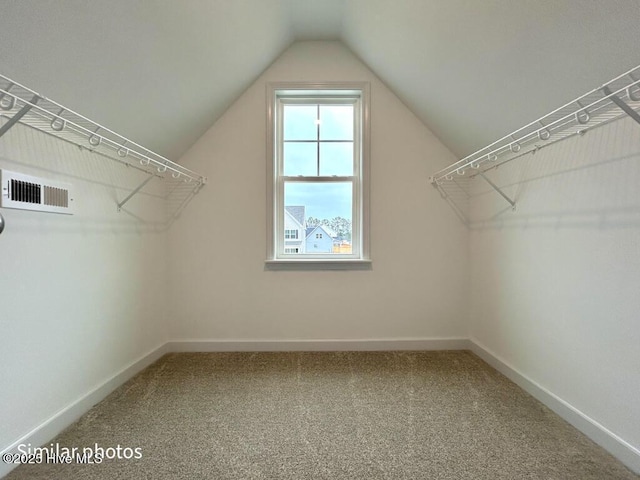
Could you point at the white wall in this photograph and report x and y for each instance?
(418, 285)
(82, 296)
(556, 284)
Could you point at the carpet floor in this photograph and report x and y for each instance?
(337, 415)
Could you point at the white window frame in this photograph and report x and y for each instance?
(278, 94)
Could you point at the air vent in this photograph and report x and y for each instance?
(30, 193)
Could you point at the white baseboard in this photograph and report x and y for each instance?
(65, 417)
(619, 448)
(328, 345)
(44, 432)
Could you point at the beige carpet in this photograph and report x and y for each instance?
(384, 415)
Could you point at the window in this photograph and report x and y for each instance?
(318, 172)
(291, 250)
(291, 234)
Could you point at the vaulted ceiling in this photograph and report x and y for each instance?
(162, 72)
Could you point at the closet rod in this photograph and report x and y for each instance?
(39, 112)
(615, 99)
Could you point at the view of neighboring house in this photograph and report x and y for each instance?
(319, 239)
(298, 238)
(294, 229)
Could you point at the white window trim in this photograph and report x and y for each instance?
(363, 260)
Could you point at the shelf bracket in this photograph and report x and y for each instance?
(137, 189)
(21, 113)
(495, 187)
(620, 103)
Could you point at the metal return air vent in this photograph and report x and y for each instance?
(25, 192)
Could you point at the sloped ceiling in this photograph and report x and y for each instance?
(162, 72)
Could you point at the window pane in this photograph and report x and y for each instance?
(336, 159)
(336, 122)
(325, 212)
(300, 122)
(300, 159)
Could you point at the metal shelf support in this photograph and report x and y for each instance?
(136, 190)
(20, 104)
(497, 189)
(616, 99)
(609, 102)
(620, 103)
(21, 113)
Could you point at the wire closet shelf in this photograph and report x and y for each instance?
(615, 99)
(21, 104)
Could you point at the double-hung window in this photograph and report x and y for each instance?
(318, 172)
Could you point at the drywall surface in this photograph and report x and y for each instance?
(556, 284)
(417, 287)
(81, 296)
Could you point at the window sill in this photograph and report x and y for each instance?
(318, 264)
